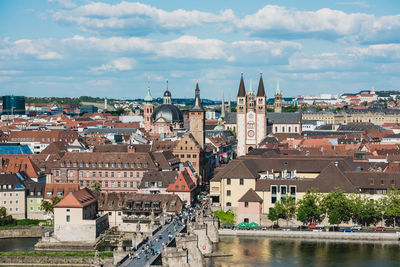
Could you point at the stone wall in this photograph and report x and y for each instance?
(35, 231)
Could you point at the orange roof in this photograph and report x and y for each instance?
(20, 164)
(183, 183)
(63, 189)
(78, 199)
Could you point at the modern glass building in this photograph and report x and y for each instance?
(13, 105)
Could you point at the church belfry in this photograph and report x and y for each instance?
(278, 99)
(197, 118)
(148, 108)
(250, 117)
(167, 96)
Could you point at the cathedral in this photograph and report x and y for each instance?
(250, 117)
(166, 119)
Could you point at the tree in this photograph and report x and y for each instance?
(309, 209)
(391, 207)
(365, 211)
(95, 186)
(289, 204)
(6, 219)
(48, 206)
(337, 207)
(284, 209)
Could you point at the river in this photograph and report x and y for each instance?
(18, 244)
(262, 251)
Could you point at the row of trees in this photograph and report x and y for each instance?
(339, 208)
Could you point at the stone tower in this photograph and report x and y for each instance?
(250, 117)
(148, 109)
(197, 119)
(278, 99)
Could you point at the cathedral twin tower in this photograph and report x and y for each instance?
(251, 122)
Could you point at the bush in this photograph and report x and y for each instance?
(30, 222)
(225, 217)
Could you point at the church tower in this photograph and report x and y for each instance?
(148, 109)
(197, 119)
(241, 118)
(261, 111)
(250, 117)
(167, 96)
(278, 99)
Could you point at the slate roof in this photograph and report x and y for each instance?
(242, 90)
(230, 117)
(251, 196)
(284, 118)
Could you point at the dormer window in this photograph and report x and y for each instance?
(62, 164)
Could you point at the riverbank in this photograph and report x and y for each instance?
(355, 236)
(35, 258)
(29, 231)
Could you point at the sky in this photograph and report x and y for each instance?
(116, 49)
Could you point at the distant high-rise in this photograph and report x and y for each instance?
(13, 105)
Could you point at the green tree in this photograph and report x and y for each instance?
(6, 219)
(365, 211)
(48, 206)
(391, 207)
(284, 209)
(337, 206)
(95, 186)
(309, 208)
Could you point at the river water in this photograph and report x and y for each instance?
(18, 244)
(262, 251)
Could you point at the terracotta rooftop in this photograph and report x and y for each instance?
(78, 199)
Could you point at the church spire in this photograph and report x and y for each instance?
(242, 90)
(167, 96)
(261, 91)
(197, 106)
(148, 98)
(278, 88)
(251, 87)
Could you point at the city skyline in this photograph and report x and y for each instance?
(110, 48)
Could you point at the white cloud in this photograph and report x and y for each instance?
(10, 72)
(136, 18)
(384, 52)
(42, 49)
(119, 64)
(282, 22)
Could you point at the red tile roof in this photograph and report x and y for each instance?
(78, 199)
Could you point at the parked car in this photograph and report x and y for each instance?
(356, 228)
(348, 230)
(313, 225)
(379, 229)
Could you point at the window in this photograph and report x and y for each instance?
(241, 181)
(146, 184)
(246, 220)
(31, 208)
(131, 174)
(228, 193)
(159, 183)
(283, 189)
(246, 204)
(371, 181)
(130, 184)
(112, 174)
(176, 187)
(125, 174)
(119, 213)
(105, 184)
(228, 204)
(228, 181)
(93, 174)
(119, 184)
(100, 174)
(68, 218)
(183, 187)
(392, 182)
(106, 174)
(31, 200)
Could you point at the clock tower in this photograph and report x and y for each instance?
(250, 117)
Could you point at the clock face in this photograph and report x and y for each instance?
(250, 133)
(251, 116)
